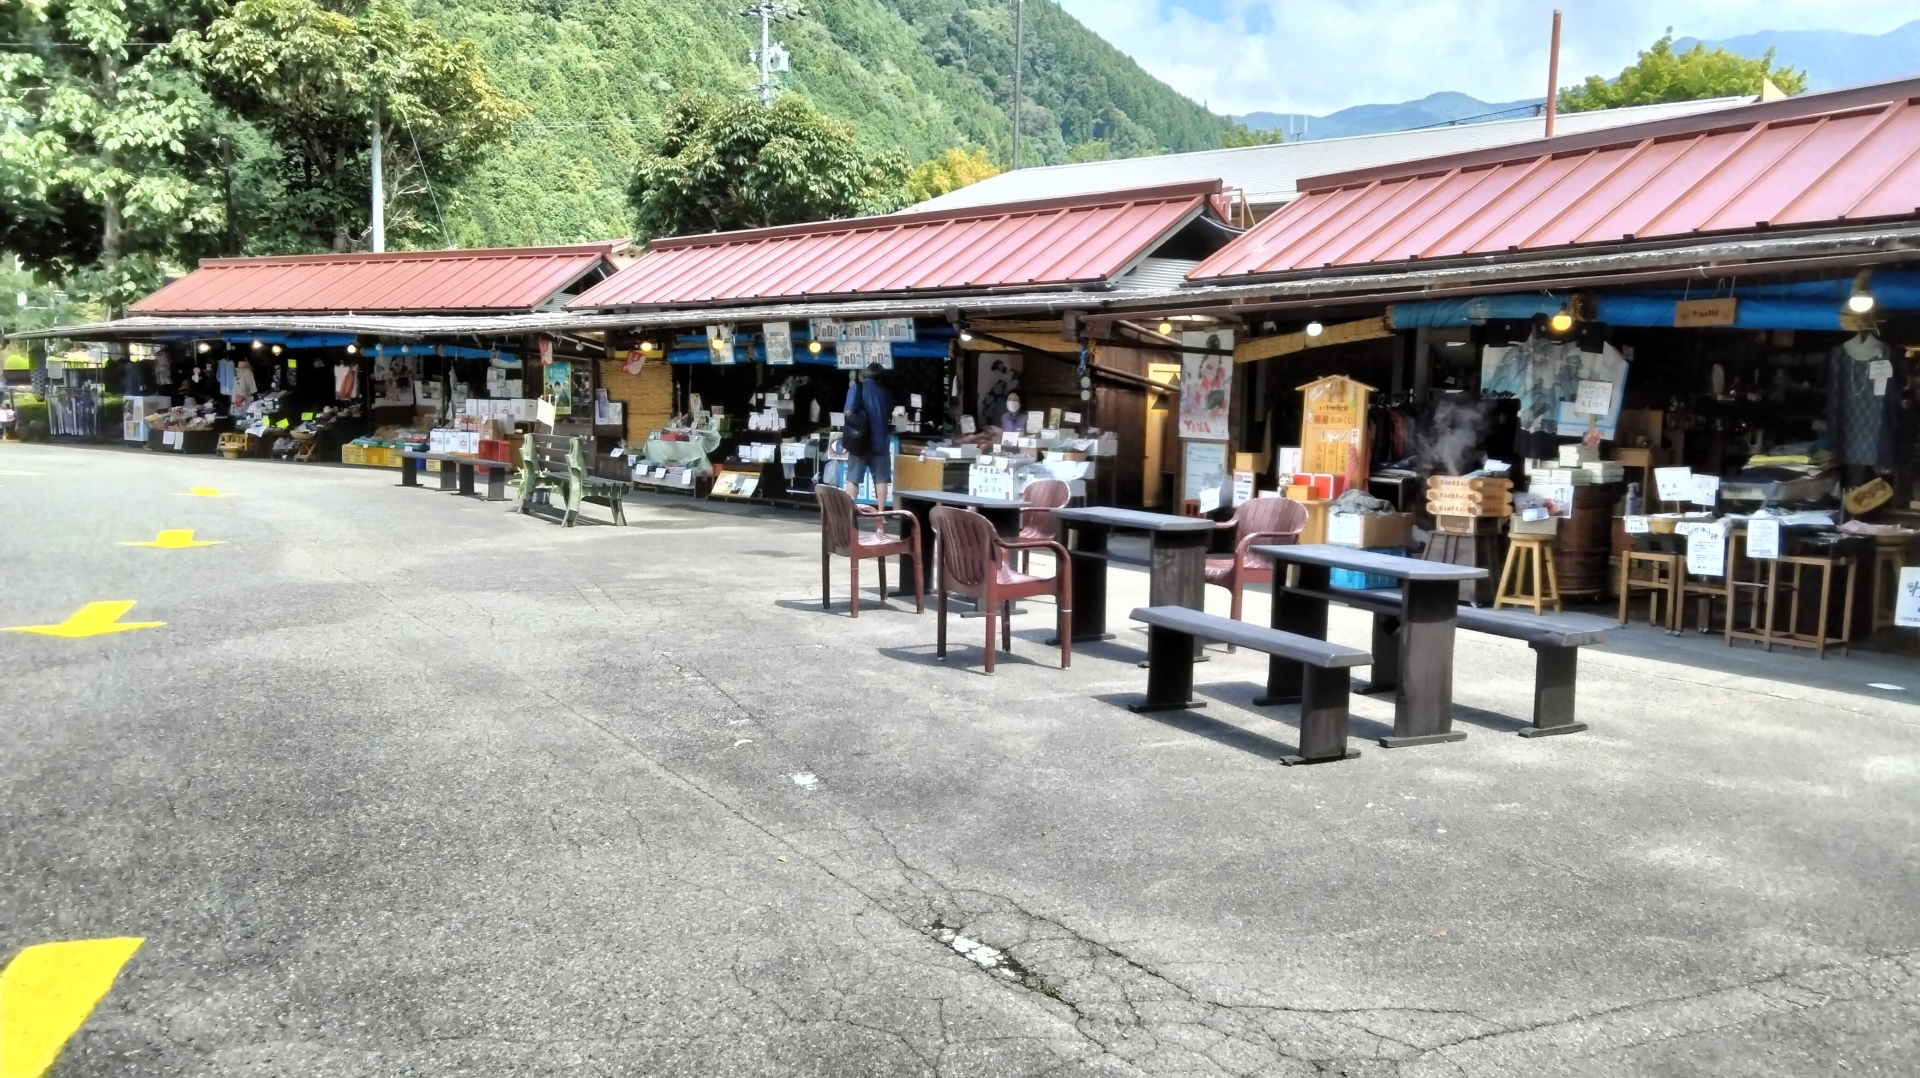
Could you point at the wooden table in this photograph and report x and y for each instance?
(1177, 568)
(459, 476)
(1002, 513)
(1422, 644)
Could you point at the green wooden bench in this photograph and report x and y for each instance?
(553, 463)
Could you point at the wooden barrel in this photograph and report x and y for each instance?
(1581, 546)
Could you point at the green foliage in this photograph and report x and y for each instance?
(1241, 135)
(104, 133)
(725, 163)
(950, 171)
(316, 79)
(1660, 75)
(919, 76)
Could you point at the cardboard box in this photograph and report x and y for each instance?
(1549, 526)
(1362, 530)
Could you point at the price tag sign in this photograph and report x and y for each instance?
(1881, 371)
(1637, 526)
(1706, 490)
(1593, 398)
(1674, 484)
(1763, 539)
(1707, 550)
(1906, 609)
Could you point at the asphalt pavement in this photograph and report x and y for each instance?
(402, 783)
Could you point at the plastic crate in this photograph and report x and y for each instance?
(353, 454)
(1358, 581)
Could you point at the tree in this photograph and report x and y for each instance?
(728, 163)
(106, 136)
(1242, 135)
(950, 171)
(317, 80)
(1660, 74)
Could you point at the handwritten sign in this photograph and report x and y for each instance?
(1674, 484)
(1557, 497)
(1706, 490)
(1637, 526)
(1593, 398)
(1706, 312)
(1763, 538)
(1242, 487)
(1906, 608)
(1707, 550)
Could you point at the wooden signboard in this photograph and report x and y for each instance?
(1333, 428)
(1705, 312)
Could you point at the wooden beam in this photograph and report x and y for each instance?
(1281, 344)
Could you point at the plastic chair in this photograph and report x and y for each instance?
(840, 533)
(1257, 521)
(1037, 523)
(973, 563)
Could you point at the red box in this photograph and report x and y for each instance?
(496, 449)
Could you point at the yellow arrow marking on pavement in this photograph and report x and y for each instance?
(46, 994)
(205, 492)
(177, 539)
(93, 619)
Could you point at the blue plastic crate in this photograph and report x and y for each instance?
(1348, 578)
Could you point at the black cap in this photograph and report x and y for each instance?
(875, 367)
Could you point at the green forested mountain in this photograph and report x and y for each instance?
(918, 75)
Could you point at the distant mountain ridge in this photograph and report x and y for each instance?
(1832, 59)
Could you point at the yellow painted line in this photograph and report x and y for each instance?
(176, 539)
(205, 492)
(46, 994)
(93, 619)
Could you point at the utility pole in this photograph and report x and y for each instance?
(379, 186)
(771, 55)
(1019, 50)
(1553, 72)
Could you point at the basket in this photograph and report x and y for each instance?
(235, 446)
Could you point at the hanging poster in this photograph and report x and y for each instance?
(1333, 427)
(393, 378)
(1582, 408)
(779, 341)
(428, 392)
(346, 381)
(1763, 538)
(560, 386)
(632, 361)
(1707, 550)
(546, 352)
(1206, 386)
(720, 343)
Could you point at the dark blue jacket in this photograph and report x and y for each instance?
(879, 405)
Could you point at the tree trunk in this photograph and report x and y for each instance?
(111, 231)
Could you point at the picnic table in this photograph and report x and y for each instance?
(1177, 566)
(1429, 616)
(456, 468)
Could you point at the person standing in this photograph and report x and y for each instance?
(867, 436)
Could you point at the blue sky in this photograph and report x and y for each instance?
(1317, 56)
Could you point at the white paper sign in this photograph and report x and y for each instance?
(1593, 398)
(1558, 498)
(1344, 529)
(913, 400)
(836, 420)
(1070, 417)
(1763, 538)
(1674, 484)
(1906, 607)
(1706, 489)
(967, 425)
(1209, 501)
(1637, 526)
(1707, 550)
(1242, 487)
(1880, 370)
(779, 341)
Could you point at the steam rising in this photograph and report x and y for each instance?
(1448, 444)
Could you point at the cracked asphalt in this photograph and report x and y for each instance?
(408, 785)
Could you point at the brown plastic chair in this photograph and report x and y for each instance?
(841, 533)
(1037, 521)
(1277, 521)
(973, 562)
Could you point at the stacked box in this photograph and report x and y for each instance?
(1458, 496)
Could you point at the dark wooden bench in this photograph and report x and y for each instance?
(463, 467)
(550, 462)
(1174, 633)
(1556, 640)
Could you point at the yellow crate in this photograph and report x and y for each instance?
(353, 454)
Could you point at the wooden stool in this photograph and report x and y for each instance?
(1664, 580)
(1542, 583)
(1792, 588)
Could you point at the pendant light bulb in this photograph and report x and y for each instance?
(1314, 329)
(353, 349)
(813, 347)
(1166, 328)
(1561, 322)
(205, 348)
(1861, 301)
(965, 336)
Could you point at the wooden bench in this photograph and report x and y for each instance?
(552, 463)
(1556, 640)
(464, 468)
(1174, 633)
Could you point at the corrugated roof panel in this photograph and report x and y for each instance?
(1774, 165)
(502, 279)
(1065, 242)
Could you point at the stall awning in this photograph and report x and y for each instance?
(1822, 160)
(1083, 241)
(507, 279)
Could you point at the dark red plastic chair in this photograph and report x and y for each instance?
(1037, 522)
(842, 532)
(973, 563)
(1275, 521)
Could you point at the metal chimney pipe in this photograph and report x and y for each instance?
(1553, 73)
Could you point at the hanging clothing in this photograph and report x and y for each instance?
(1865, 381)
(242, 386)
(346, 381)
(223, 374)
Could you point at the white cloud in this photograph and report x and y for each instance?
(1317, 56)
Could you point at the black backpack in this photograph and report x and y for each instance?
(857, 436)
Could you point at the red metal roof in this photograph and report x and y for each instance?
(1058, 242)
(493, 279)
(1820, 160)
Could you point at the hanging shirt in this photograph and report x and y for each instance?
(223, 374)
(1864, 384)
